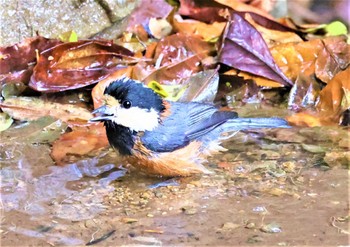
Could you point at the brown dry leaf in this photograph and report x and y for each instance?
(266, 5)
(273, 37)
(260, 81)
(314, 56)
(333, 101)
(176, 58)
(208, 32)
(307, 118)
(159, 28)
(98, 90)
(82, 140)
(147, 10)
(78, 64)
(242, 7)
(31, 108)
(334, 98)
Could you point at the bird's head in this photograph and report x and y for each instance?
(130, 104)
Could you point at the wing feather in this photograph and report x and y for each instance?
(187, 122)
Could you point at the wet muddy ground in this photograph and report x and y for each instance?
(276, 187)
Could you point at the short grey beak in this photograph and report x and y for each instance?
(102, 115)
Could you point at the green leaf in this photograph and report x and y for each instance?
(336, 28)
(43, 130)
(5, 121)
(69, 36)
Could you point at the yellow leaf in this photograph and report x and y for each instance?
(69, 36)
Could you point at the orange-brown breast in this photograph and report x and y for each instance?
(185, 161)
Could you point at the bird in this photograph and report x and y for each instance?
(167, 138)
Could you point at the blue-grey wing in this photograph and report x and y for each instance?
(187, 122)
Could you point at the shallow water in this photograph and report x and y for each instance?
(269, 188)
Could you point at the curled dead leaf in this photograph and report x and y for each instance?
(32, 108)
(83, 140)
(98, 90)
(78, 64)
(209, 32)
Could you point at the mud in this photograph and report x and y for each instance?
(267, 189)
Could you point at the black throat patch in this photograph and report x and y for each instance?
(120, 137)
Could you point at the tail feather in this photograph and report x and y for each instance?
(232, 126)
(255, 123)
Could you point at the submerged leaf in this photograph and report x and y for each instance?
(43, 130)
(5, 121)
(201, 87)
(78, 64)
(244, 48)
(81, 141)
(332, 102)
(335, 97)
(31, 108)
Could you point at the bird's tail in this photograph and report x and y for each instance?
(232, 126)
(255, 123)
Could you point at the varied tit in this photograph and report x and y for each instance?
(167, 138)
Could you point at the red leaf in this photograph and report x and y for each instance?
(82, 140)
(15, 61)
(146, 10)
(205, 11)
(177, 57)
(77, 64)
(244, 48)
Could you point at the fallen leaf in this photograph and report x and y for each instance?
(244, 48)
(205, 11)
(78, 64)
(17, 61)
(333, 100)
(146, 10)
(44, 130)
(201, 87)
(322, 57)
(260, 81)
(271, 36)
(159, 28)
(335, 97)
(69, 36)
(98, 90)
(5, 121)
(176, 58)
(83, 140)
(304, 92)
(306, 118)
(208, 32)
(32, 108)
(239, 6)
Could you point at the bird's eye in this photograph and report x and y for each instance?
(126, 104)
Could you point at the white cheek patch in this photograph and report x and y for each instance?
(136, 118)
